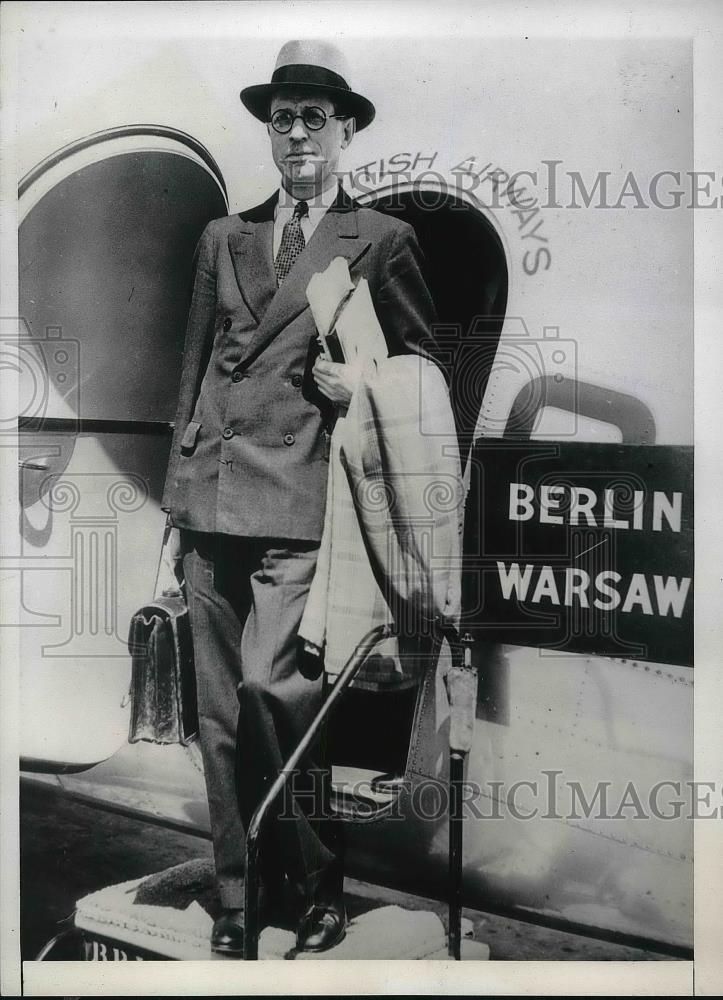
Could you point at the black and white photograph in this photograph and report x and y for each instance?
(359, 491)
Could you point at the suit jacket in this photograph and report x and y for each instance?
(250, 447)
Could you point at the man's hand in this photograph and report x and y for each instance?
(310, 660)
(336, 381)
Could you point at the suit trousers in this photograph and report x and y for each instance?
(245, 600)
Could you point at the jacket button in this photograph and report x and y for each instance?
(236, 376)
(227, 323)
(289, 439)
(296, 381)
(227, 433)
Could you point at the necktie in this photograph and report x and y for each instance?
(292, 242)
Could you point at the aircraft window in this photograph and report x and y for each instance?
(466, 271)
(630, 415)
(554, 425)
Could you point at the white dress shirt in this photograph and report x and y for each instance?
(317, 210)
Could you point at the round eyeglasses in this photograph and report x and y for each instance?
(282, 121)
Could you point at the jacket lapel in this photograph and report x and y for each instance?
(250, 246)
(337, 235)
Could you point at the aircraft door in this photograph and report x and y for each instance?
(108, 230)
(466, 272)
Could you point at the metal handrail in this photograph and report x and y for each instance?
(351, 668)
(68, 931)
(458, 751)
(443, 630)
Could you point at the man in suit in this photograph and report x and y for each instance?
(246, 482)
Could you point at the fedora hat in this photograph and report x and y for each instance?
(316, 66)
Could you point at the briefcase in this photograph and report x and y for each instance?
(163, 683)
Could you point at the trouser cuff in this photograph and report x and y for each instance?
(231, 894)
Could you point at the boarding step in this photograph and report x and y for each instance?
(166, 916)
(359, 793)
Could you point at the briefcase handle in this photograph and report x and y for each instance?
(167, 591)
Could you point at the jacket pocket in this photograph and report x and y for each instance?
(188, 441)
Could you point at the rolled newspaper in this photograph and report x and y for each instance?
(346, 312)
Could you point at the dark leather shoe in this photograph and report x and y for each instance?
(321, 927)
(227, 936)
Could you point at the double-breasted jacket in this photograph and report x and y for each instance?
(250, 447)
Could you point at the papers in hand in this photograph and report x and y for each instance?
(348, 327)
(328, 290)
